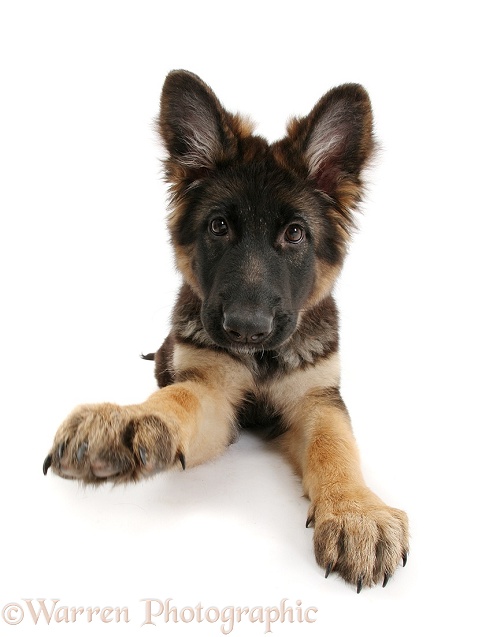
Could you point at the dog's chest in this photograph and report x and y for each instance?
(257, 413)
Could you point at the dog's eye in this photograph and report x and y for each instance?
(294, 233)
(219, 227)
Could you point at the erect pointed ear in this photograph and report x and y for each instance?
(336, 142)
(197, 131)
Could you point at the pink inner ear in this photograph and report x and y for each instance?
(327, 179)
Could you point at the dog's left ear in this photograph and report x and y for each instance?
(336, 142)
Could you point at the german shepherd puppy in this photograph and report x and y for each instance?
(260, 233)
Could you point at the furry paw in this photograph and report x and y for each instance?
(104, 442)
(363, 542)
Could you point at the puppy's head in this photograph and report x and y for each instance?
(260, 231)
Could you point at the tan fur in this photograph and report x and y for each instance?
(287, 391)
(195, 418)
(184, 265)
(354, 530)
(324, 281)
(243, 125)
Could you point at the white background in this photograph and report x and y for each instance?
(87, 284)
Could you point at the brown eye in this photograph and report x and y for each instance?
(294, 233)
(219, 227)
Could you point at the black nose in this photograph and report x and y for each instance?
(243, 326)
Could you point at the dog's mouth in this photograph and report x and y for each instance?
(246, 350)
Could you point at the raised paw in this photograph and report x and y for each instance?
(364, 543)
(107, 442)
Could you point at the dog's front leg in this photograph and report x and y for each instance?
(355, 533)
(181, 425)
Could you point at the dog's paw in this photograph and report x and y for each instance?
(363, 542)
(104, 442)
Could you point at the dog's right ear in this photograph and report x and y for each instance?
(198, 133)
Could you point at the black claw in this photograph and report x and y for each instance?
(359, 586)
(385, 579)
(47, 463)
(404, 559)
(310, 520)
(182, 460)
(81, 450)
(60, 451)
(329, 568)
(147, 357)
(143, 455)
